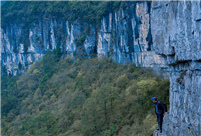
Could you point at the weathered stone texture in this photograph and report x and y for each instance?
(124, 35)
(176, 32)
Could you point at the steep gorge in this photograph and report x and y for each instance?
(152, 34)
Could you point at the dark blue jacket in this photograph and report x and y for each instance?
(161, 108)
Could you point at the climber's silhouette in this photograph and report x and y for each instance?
(160, 109)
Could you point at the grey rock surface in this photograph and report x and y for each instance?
(124, 36)
(157, 133)
(176, 32)
(163, 35)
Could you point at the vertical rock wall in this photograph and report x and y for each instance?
(22, 45)
(125, 36)
(176, 32)
(157, 34)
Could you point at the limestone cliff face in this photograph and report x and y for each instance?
(157, 34)
(176, 32)
(22, 45)
(124, 35)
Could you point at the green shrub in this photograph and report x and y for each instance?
(26, 63)
(29, 12)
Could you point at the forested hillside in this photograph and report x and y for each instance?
(62, 96)
(87, 97)
(28, 12)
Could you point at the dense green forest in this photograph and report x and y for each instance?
(29, 11)
(86, 97)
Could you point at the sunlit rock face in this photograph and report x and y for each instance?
(125, 36)
(176, 33)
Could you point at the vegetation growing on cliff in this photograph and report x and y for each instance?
(29, 11)
(87, 97)
(26, 13)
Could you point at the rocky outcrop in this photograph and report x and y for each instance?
(157, 133)
(124, 35)
(176, 32)
(158, 34)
